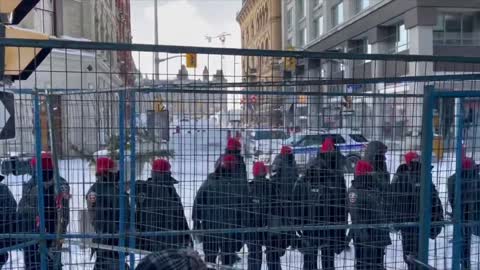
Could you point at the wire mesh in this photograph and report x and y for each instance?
(255, 159)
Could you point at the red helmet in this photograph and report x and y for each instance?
(259, 169)
(234, 145)
(410, 157)
(47, 162)
(161, 166)
(105, 165)
(468, 163)
(229, 162)
(328, 146)
(286, 150)
(363, 168)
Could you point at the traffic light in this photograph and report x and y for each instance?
(19, 62)
(191, 60)
(290, 62)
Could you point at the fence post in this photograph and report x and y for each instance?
(457, 211)
(133, 134)
(121, 167)
(56, 180)
(39, 178)
(426, 187)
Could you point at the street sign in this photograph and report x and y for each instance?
(7, 116)
(191, 60)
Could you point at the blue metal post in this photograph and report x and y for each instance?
(457, 211)
(39, 177)
(123, 205)
(133, 135)
(426, 187)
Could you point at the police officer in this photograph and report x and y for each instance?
(284, 176)
(103, 201)
(470, 207)
(322, 195)
(363, 197)
(375, 154)
(406, 205)
(159, 208)
(56, 212)
(234, 147)
(266, 211)
(8, 219)
(221, 203)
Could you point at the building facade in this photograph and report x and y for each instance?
(426, 27)
(92, 20)
(261, 28)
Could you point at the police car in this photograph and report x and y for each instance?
(263, 143)
(349, 142)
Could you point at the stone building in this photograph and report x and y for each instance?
(260, 24)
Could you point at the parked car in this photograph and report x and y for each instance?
(350, 143)
(263, 144)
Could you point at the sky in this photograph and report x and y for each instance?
(187, 22)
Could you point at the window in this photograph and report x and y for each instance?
(270, 135)
(454, 29)
(358, 138)
(369, 51)
(362, 4)
(317, 27)
(402, 38)
(311, 140)
(44, 17)
(399, 39)
(289, 19)
(301, 37)
(337, 14)
(301, 9)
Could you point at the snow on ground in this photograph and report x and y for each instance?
(195, 155)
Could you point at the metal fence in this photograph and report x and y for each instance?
(367, 136)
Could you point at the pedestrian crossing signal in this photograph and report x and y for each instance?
(191, 60)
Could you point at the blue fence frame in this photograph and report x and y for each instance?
(429, 98)
(431, 95)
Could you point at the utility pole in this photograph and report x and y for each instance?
(157, 62)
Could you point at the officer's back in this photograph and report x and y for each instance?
(363, 198)
(159, 208)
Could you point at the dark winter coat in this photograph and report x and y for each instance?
(375, 155)
(159, 208)
(363, 197)
(320, 198)
(265, 209)
(284, 177)
(405, 199)
(28, 205)
(106, 207)
(221, 202)
(470, 196)
(8, 215)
